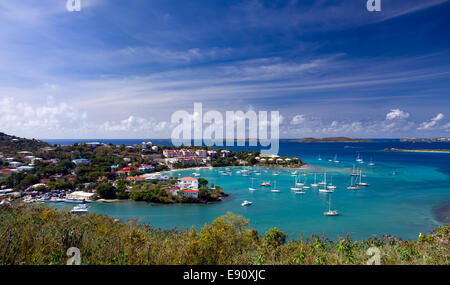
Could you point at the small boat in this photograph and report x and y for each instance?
(251, 188)
(352, 186)
(74, 201)
(246, 203)
(275, 190)
(295, 188)
(196, 174)
(319, 157)
(80, 209)
(335, 159)
(331, 212)
(300, 192)
(371, 162)
(315, 181)
(360, 183)
(331, 186)
(265, 184)
(325, 188)
(306, 187)
(276, 174)
(359, 159)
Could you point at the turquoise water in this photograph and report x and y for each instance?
(404, 189)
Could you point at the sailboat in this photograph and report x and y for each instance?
(360, 183)
(319, 157)
(331, 186)
(275, 190)
(325, 189)
(323, 182)
(299, 183)
(295, 188)
(265, 184)
(315, 181)
(359, 159)
(335, 159)
(330, 212)
(251, 188)
(352, 186)
(371, 162)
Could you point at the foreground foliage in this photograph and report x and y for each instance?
(40, 235)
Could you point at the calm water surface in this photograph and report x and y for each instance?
(404, 190)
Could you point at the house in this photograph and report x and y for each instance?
(174, 190)
(212, 153)
(225, 153)
(201, 153)
(6, 172)
(81, 161)
(25, 168)
(94, 144)
(15, 164)
(82, 195)
(188, 183)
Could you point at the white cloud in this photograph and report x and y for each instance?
(298, 119)
(396, 114)
(430, 124)
(134, 124)
(49, 116)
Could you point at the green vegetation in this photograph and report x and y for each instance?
(40, 235)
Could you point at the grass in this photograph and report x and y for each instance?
(41, 235)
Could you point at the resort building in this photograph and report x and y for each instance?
(188, 183)
(25, 168)
(190, 193)
(14, 164)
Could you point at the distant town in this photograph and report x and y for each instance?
(34, 171)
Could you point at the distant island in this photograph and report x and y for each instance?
(425, 139)
(330, 139)
(419, 150)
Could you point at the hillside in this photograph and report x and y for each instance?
(40, 235)
(11, 145)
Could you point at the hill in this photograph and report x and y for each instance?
(11, 145)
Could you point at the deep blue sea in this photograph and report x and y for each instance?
(405, 189)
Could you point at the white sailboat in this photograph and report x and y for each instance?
(315, 181)
(331, 186)
(352, 186)
(251, 188)
(319, 157)
(335, 159)
(360, 183)
(371, 162)
(354, 171)
(295, 188)
(330, 212)
(359, 159)
(325, 189)
(246, 203)
(323, 182)
(275, 190)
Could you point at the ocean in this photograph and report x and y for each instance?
(405, 191)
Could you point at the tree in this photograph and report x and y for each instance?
(203, 182)
(274, 237)
(106, 191)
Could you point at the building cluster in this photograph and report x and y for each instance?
(192, 156)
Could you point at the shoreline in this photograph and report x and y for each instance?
(441, 212)
(418, 150)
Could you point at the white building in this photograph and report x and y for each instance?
(188, 183)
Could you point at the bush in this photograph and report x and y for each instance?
(106, 191)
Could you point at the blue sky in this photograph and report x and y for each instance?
(119, 69)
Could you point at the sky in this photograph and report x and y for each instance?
(120, 69)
